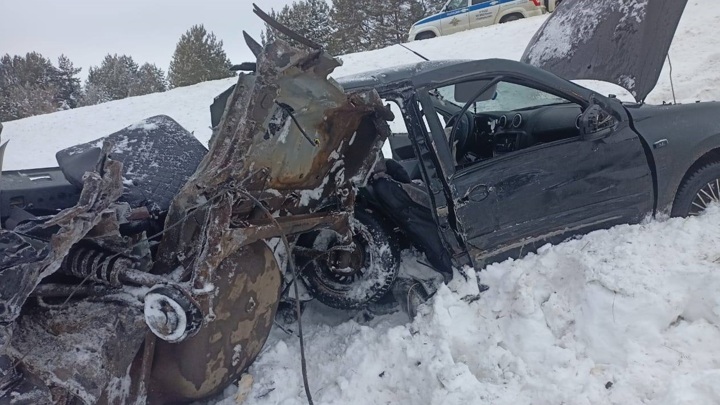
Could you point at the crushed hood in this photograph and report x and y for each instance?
(618, 41)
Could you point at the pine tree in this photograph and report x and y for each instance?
(353, 26)
(309, 18)
(94, 94)
(69, 87)
(150, 79)
(112, 80)
(198, 57)
(393, 20)
(27, 86)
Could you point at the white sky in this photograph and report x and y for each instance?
(147, 30)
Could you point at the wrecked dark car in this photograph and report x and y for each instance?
(142, 270)
(147, 267)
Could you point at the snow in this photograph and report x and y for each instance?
(629, 315)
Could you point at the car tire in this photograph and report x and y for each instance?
(424, 35)
(373, 273)
(511, 17)
(555, 6)
(698, 190)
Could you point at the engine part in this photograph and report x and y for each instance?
(171, 314)
(93, 263)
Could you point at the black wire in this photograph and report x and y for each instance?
(289, 110)
(298, 310)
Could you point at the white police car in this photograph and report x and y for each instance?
(460, 15)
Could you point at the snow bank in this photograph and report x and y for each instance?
(695, 53)
(624, 316)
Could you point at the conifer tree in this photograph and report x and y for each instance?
(69, 87)
(198, 57)
(112, 80)
(150, 79)
(28, 86)
(309, 18)
(353, 26)
(363, 25)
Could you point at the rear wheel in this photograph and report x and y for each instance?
(424, 35)
(549, 3)
(511, 17)
(698, 191)
(350, 276)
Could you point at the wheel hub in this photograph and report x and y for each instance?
(347, 262)
(707, 195)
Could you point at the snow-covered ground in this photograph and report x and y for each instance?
(624, 316)
(629, 315)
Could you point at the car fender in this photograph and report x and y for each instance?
(678, 136)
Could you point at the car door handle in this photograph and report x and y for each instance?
(476, 193)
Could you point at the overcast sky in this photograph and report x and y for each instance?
(147, 30)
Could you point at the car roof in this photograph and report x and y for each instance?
(428, 73)
(395, 74)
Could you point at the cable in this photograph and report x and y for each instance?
(298, 310)
(672, 86)
(289, 110)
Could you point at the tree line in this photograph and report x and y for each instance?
(347, 26)
(32, 84)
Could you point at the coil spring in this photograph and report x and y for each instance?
(95, 264)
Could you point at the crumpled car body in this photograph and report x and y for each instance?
(95, 306)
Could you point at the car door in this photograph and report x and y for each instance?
(455, 17)
(562, 184)
(483, 12)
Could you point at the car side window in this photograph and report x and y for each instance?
(474, 2)
(502, 118)
(455, 5)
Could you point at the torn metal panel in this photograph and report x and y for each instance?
(33, 260)
(247, 292)
(259, 145)
(291, 139)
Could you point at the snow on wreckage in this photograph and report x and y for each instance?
(72, 284)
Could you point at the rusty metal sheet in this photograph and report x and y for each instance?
(246, 296)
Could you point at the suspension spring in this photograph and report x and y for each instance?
(95, 265)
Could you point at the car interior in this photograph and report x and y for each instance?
(504, 119)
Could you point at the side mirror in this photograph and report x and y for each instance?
(596, 123)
